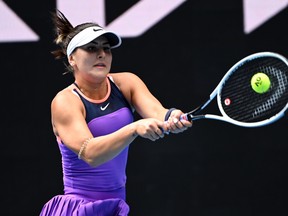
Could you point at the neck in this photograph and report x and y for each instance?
(96, 92)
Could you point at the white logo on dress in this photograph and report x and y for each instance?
(104, 108)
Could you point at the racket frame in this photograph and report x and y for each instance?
(191, 115)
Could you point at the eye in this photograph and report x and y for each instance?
(91, 48)
(94, 48)
(107, 48)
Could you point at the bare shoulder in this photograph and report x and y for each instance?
(124, 79)
(65, 100)
(124, 75)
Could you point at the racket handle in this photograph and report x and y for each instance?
(186, 116)
(190, 117)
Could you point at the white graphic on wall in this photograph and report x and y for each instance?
(12, 28)
(257, 12)
(134, 22)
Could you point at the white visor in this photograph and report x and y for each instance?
(89, 34)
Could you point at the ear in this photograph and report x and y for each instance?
(71, 60)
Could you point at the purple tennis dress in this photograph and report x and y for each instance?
(97, 191)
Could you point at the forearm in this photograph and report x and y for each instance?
(156, 111)
(104, 148)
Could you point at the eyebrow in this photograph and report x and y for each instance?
(97, 43)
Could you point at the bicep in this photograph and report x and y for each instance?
(145, 103)
(69, 122)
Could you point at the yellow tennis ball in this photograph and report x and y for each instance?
(260, 83)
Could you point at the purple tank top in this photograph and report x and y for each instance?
(107, 180)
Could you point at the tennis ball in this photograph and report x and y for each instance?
(260, 83)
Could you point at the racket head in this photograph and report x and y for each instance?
(243, 106)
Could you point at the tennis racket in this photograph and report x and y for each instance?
(253, 93)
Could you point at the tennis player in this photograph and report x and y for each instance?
(93, 122)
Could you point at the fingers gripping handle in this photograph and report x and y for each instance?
(186, 116)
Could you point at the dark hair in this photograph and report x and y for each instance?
(64, 32)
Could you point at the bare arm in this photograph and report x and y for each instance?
(146, 104)
(68, 119)
(139, 96)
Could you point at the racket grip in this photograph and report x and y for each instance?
(186, 116)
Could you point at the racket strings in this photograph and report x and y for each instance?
(278, 94)
(240, 102)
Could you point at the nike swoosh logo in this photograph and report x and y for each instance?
(104, 108)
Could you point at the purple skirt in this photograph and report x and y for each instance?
(71, 205)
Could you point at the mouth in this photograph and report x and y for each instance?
(100, 65)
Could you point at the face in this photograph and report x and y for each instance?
(92, 60)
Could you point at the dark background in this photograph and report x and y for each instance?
(213, 169)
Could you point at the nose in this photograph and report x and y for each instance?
(100, 53)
